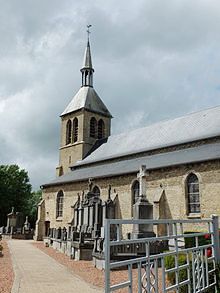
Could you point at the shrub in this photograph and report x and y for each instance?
(170, 263)
(191, 241)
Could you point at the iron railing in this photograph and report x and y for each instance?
(199, 266)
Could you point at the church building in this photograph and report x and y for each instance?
(182, 159)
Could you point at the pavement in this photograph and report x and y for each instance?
(36, 272)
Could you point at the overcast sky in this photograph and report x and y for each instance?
(153, 60)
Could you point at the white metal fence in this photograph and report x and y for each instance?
(198, 267)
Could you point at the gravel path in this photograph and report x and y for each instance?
(6, 270)
(36, 272)
(86, 271)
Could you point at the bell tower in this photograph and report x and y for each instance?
(84, 121)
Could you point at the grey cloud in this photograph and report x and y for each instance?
(153, 60)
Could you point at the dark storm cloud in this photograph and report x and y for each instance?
(153, 60)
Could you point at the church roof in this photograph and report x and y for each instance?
(192, 127)
(87, 61)
(196, 154)
(87, 98)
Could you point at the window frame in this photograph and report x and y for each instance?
(75, 130)
(193, 194)
(93, 127)
(68, 132)
(59, 204)
(101, 129)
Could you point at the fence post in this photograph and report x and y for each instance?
(216, 245)
(107, 255)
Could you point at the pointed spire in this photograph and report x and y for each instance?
(87, 70)
(87, 62)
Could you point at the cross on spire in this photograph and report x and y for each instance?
(88, 31)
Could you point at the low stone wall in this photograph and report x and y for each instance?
(59, 245)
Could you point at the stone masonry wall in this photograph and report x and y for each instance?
(172, 180)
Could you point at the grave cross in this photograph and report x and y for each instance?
(109, 191)
(90, 184)
(142, 182)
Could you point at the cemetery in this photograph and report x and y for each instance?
(84, 238)
(16, 227)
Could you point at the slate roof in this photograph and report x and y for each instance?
(200, 153)
(87, 61)
(87, 98)
(192, 127)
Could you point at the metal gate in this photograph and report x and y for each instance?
(151, 271)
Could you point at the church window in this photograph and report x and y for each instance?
(101, 129)
(134, 194)
(75, 129)
(96, 190)
(93, 126)
(192, 187)
(59, 208)
(68, 131)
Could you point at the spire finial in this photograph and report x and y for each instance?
(88, 31)
(87, 70)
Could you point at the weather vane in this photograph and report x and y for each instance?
(88, 31)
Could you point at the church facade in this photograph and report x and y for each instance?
(182, 159)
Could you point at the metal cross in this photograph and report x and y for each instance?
(90, 184)
(88, 31)
(140, 176)
(109, 191)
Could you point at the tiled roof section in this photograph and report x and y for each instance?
(189, 128)
(87, 98)
(197, 154)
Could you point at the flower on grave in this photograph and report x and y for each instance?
(207, 236)
(209, 252)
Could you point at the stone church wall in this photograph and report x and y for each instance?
(171, 180)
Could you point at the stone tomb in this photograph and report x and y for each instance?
(88, 223)
(15, 222)
(16, 227)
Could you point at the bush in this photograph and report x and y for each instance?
(191, 241)
(170, 263)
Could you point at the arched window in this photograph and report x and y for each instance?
(134, 194)
(68, 131)
(193, 198)
(96, 190)
(93, 127)
(59, 207)
(101, 129)
(75, 129)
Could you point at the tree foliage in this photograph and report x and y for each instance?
(32, 205)
(15, 191)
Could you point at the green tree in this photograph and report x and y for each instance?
(15, 191)
(32, 205)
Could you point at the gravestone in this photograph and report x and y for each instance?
(27, 226)
(142, 209)
(15, 222)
